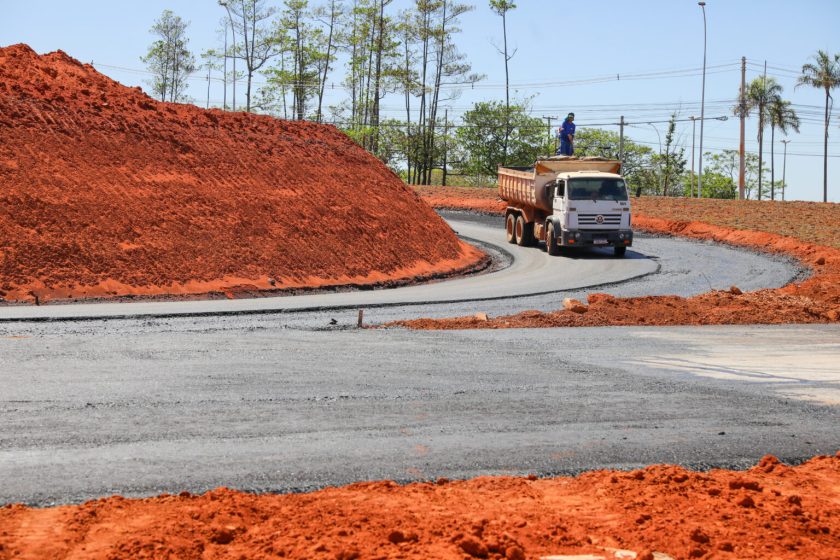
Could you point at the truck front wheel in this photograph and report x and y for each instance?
(551, 246)
(510, 227)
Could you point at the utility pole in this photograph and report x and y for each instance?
(208, 84)
(693, 132)
(549, 119)
(224, 73)
(702, 103)
(225, 4)
(621, 142)
(784, 168)
(742, 110)
(445, 145)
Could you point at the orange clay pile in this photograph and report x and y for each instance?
(106, 192)
(808, 232)
(662, 511)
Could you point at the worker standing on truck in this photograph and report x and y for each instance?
(567, 136)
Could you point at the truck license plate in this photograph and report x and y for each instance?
(599, 241)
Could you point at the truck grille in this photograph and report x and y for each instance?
(599, 219)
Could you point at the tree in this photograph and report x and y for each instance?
(825, 74)
(727, 163)
(168, 58)
(213, 60)
(761, 92)
(672, 163)
(250, 21)
(502, 7)
(637, 158)
(783, 117)
(715, 185)
(330, 17)
(481, 137)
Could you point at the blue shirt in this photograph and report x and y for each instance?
(567, 128)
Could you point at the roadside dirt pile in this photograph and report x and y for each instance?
(107, 192)
(662, 511)
(808, 232)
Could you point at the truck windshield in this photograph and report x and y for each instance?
(597, 189)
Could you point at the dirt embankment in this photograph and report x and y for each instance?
(806, 231)
(107, 192)
(770, 511)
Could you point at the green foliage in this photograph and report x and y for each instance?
(501, 7)
(605, 143)
(482, 137)
(727, 163)
(715, 185)
(825, 75)
(169, 59)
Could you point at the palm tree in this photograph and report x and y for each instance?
(825, 74)
(783, 117)
(760, 94)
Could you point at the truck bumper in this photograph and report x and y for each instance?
(595, 238)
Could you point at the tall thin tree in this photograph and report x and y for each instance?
(783, 117)
(502, 7)
(169, 59)
(761, 92)
(825, 75)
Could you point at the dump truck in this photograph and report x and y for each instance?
(567, 201)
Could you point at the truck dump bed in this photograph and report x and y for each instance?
(525, 185)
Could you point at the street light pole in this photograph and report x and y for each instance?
(225, 4)
(693, 131)
(702, 104)
(784, 168)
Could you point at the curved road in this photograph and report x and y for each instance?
(690, 268)
(149, 405)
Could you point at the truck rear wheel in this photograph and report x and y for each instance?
(510, 227)
(551, 246)
(619, 251)
(524, 232)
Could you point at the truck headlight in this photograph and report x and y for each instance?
(577, 235)
(621, 236)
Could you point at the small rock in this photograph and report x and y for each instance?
(441, 481)
(735, 290)
(481, 316)
(473, 547)
(699, 536)
(746, 502)
(514, 553)
(272, 281)
(645, 555)
(574, 306)
(396, 537)
(820, 261)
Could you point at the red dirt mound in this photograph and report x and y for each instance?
(104, 192)
(662, 511)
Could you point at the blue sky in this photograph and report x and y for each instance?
(559, 44)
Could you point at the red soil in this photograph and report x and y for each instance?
(106, 192)
(771, 511)
(816, 300)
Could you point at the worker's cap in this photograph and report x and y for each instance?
(571, 114)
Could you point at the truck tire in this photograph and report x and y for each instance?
(551, 246)
(619, 251)
(510, 228)
(524, 234)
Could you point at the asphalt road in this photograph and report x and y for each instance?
(139, 407)
(295, 400)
